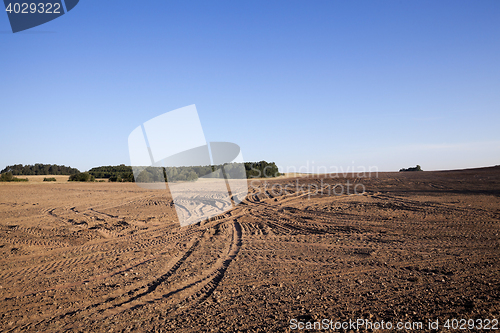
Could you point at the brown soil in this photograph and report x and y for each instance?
(105, 257)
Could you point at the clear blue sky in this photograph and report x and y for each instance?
(320, 83)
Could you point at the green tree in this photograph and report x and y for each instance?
(82, 177)
(144, 177)
(6, 177)
(416, 168)
(192, 176)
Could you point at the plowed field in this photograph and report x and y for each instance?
(107, 257)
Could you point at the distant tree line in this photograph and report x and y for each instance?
(39, 169)
(416, 168)
(123, 173)
(261, 169)
(117, 173)
(109, 171)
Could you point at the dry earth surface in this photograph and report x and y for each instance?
(107, 257)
